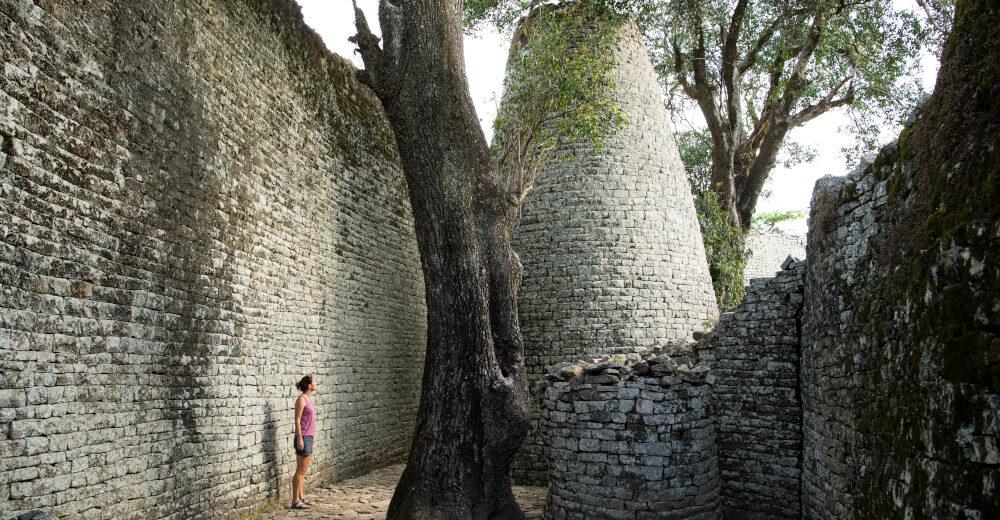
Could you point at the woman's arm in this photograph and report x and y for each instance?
(300, 404)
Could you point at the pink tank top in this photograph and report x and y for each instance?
(308, 423)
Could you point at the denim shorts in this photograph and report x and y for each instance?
(307, 447)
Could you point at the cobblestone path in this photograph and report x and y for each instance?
(367, 498)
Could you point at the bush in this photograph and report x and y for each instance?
(725, 250)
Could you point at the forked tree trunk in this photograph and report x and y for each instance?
(739, 173)
(742, 161)
(473, 414)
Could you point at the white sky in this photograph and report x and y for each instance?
(486, 55)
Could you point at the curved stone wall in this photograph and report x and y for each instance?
(199, 205)
(612, 252)
(769, 251)
(754, 355)
(900, 344)
(630, 439)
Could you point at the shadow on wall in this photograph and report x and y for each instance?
(172, 172)
(269, 448)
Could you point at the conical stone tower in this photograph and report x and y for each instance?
(609, 239)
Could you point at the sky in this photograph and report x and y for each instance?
(486, 54)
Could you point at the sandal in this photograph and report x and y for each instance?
(300, 505)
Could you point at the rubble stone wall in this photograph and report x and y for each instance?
(901, 350)
(200, 204)
(753, 354)
(631, 441)
(609, 239)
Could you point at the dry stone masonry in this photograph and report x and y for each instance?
(199, 205)
(900, 358)
(769, 250)
(612, 253)
(630, 437)
(754, 357)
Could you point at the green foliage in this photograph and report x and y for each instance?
(794, 154)
(724, 248)
(502, 14)
(767, 221)
(872, 44)
(557, 88)
(938, 16)
(695, 147)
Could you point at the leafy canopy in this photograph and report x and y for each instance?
(767, 221)
(558, 84)
(504, 14)
(865, 52)
(557, 89)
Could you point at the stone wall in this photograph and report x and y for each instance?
(769, 251)
(199, 205)
(753, 353)
(630, 438)
(612, 252)
(901, 349)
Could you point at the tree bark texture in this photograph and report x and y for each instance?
(473, 407)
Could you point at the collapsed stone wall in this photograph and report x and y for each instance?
(901, 366)
(753, 353)
(199, 205)
(609, 239)
(631, 438)
(769, 251)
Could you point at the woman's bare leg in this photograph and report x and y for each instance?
(299, 480)
(302, 487)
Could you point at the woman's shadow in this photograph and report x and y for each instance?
(269, 447)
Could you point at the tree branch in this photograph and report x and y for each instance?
(932, 17)
(780, 110)
(367, 42)
(390, 18)
(698, 57)
(768, 114)
(807, 49)
(704, 88)
(731, 37)
(380, 63)
(751, 58)
(827, 103)
(680, 70)
(730, 72)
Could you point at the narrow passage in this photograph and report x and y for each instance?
(367, 498)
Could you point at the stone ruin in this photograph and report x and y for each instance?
(862, 383)
(754, 353)
(171, 261)
(631, 437)
(717, 421)
(609, 239)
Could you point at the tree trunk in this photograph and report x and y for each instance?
(473, 407)
(753, 170)
(725, 179)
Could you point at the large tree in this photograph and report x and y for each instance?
(759, 68)
(473, 414)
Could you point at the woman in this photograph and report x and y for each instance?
(305, 430)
